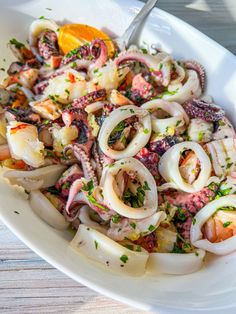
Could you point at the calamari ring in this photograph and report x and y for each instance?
(86, 220)
(102, 249)
(179, 117)
(169, 168)
(184, 92)
(175, 263)
(140, 139)
(196, 237)
(110, 188)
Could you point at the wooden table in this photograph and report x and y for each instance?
(28, 284)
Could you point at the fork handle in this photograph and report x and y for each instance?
(137, 21)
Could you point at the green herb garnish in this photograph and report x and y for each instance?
(124, 258)
(16, 43)
(133, 225)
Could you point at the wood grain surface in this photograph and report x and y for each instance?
(28, 284)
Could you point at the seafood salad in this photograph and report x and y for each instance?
(122, 147)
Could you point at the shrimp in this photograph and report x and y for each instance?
(24, 143)
(189, 167)
(221, 226)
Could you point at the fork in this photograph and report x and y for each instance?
(123, 41)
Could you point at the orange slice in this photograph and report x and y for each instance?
(72, 36)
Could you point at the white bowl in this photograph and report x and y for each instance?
(211, 289)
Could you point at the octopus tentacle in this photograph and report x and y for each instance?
(74, 189)
(69, 115)
(103, 56)
(78, 196)
(197, 108)
(97, 159)
(47, 44)
(196, 66)
(86, 52)
(90, 98)
(77, 53)
(83, 158)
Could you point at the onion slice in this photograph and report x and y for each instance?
(102, 249)
(169, 167)
(110, 188)
(174, 263)
(35, 179)
(46, 211)
(196, 237)
(140, 139)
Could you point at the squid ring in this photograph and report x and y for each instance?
(196, 237)
(175, 263)
(169, 168)
(100, 248)
(140, 139)
(110, 188)
(178, 116)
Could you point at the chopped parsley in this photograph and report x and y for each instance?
(178, 123)
(177, 249)
(227, 223)
(229, 165)
(181, 214)
(133, 225)
(151, 228)
(73, 52)
(145, 131)
(167, 93)
(124, 258)
(146, 186)
(65, 185)
(200, 136)
(138, 248)
(42, 17)
(49, 153)
(135, 200)
(144, 50)
(115, 218)
(89, 187)
(16, 43)
(116, 133)
(129, 246)
(221, 123)
(96, 244)
(73, 64)
(53, 190)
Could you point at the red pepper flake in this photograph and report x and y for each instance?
(72, 78)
